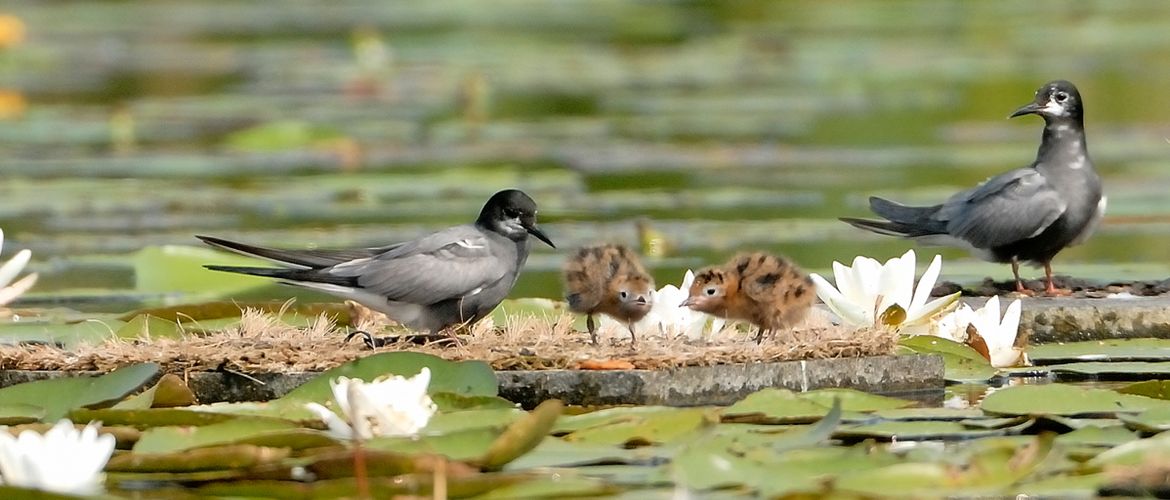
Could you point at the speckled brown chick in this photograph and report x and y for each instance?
(769, 291)
(608, 279)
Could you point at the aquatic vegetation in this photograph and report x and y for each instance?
(867, 292)
(388, 406)
(62, 460)
(9, 291)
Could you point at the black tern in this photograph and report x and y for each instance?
(453, 277)
(1025, 215)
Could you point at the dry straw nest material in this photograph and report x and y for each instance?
(260, 343)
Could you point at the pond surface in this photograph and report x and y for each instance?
(739, 126)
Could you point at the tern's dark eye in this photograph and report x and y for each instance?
(710, 291)
(1061, 96)
(512, 213)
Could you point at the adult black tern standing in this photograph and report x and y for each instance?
(453, 277)
(1025, 215)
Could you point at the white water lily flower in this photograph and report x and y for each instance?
(62, 460)
(999, 333)
(668, 318)
(868, 289)
(8, 271)
(390, 405)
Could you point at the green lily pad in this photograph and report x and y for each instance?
(59, 396)
(1153, 420)
(16, 414)
(647, 428)
(607, 416)
(175, 268)
(854, 400)
(1061, 399)
(775, 406)
(449, 401)
(941, 414)
(1097, 436)
(1133, 453)
(260, 432)
(917, 431)
(463, 444)
(521, 436)
(152, 417)
(1127, 370)
(169, 391)
(496, 418)
(1157, 389)
(232, 457)
(1147, 349)
(559, 485)
(961, 363)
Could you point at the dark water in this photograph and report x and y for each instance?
(732, 126)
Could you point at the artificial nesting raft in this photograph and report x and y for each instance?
(260, 343)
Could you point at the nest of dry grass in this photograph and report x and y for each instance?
(260, 343)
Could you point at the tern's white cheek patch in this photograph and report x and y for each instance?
(1056, 109)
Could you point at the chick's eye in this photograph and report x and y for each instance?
(1061, 96)
(623, 294)
(710, 291)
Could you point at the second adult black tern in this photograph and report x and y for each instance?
(1025, 215)
(453, 277)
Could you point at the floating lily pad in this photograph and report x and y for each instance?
(169, 391)
(1061, 399)
(463, 444)
(152, 417)
(853, 400)
(648, 428)
(1146, 349)
(941, 414)
(176, 268)
(521, 436)
(961, 363)
(1154, 420)
(918, 431)
(775, 406)
(1098, 436)
(260, 432)
(1134, 452)
(1157, 389)
(16, 414)
(232, 457)
(58, 396)
(1121, 370)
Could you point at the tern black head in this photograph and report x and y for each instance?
(512, 213)
(1055, 101)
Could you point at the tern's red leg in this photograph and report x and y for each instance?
(1049, 287)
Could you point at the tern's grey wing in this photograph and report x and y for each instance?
(426, 271)
(1007, 208)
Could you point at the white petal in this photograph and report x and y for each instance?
(14, 266)
(11, 292)
(934, 308)
(337, 427)
(926, 283)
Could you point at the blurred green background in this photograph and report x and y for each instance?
(719, 126)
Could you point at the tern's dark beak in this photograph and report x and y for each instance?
(1028, 109)
(535, 231)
